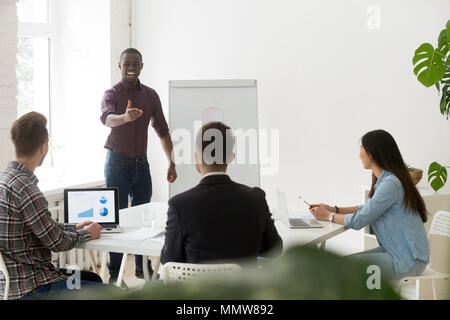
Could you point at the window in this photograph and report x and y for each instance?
(33, 75)
(33, 58)
(33, 11)
(63, 68)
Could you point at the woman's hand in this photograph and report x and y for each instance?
(323, 205)
(320, 213)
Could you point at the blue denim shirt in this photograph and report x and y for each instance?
(398, 229)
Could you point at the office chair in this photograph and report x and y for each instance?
(440, 226)
(175, 272)
(4, 270)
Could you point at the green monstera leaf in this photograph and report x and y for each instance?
(443, 42)
(444, 48)
(445, 101)
(438, 175)
(447, 28)
(428, 64)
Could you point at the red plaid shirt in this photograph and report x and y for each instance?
(28, 233)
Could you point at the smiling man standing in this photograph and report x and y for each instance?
(128, 108)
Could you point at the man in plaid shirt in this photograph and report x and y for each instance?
(28, 234)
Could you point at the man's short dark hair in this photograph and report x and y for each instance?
(29, 133)
(131, 50)
(215, 143)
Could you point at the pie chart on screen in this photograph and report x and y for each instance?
(103, 212)
(103, 200)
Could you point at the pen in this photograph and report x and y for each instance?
(305, 201)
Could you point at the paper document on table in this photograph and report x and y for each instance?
(302, 215)
(144, 233)
(158, 239)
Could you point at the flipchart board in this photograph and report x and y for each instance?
(195, 102)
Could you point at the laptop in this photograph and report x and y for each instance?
(99, 205)
(294, 223)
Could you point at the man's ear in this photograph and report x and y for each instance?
(197, 159)
(45, 147)
(120, 67)
(197, 162)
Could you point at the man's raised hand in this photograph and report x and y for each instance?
(132, 114)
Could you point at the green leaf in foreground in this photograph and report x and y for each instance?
(437, 174)
(428, 64)
(300, 273)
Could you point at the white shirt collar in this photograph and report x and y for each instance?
(215, 173)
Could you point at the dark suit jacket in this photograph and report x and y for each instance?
(219, 220)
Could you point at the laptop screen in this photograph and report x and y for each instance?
(282, 207)
(97, 205)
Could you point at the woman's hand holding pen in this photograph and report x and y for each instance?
(322, 205)
(321, 211)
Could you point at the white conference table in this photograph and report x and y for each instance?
(132, 219)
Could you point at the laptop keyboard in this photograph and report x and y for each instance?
(296, 222)
(109, 225)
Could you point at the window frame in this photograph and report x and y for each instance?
(45, 30)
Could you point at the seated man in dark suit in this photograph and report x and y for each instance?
(218, 220)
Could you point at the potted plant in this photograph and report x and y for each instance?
(416, 174)
(432, 67)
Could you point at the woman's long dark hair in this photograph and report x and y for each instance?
(383, 150)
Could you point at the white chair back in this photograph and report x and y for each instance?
(175, 272)
(441, 224)
(4, 270)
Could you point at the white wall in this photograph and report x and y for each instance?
(8, 80)
(120, 34)
(324, 80)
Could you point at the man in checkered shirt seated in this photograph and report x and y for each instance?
(28, 234)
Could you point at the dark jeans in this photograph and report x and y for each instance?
(132, 177)
(60, 289)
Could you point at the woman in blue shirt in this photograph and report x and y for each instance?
(395, 210)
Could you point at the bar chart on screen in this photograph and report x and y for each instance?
(86, 214)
